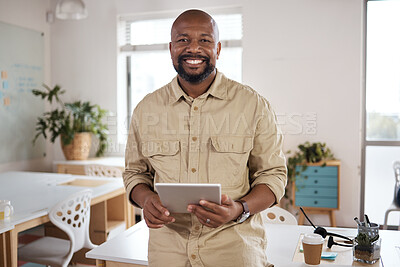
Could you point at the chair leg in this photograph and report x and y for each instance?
(386, 219)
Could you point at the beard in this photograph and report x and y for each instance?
(194, 78)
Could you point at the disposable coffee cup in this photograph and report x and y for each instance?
(312, 248)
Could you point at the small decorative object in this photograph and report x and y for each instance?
(308, 153)
(74, 123)
(367, 244)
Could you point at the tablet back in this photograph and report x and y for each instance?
(176, 197)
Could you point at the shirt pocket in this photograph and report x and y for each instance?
(165, 158)
(228, 160)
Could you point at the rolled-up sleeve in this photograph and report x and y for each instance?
(267, 163)
(137, 168)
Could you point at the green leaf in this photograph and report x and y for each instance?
(70, 118)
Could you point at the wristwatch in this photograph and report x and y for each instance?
(246, 212)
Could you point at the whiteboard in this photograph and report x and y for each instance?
(21, 70)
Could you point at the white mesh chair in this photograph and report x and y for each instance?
(102, 171)
(72, 215)
(394, 206)
(109, 171)
(278, 215)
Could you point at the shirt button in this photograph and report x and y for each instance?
(193, 256)
(197, 228)
(196, 108)
(194, 138)
(193, 170)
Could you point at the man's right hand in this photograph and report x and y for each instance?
(155, 214)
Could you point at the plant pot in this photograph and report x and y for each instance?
(79, 148)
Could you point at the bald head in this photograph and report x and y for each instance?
(198, 16)
(194, 47)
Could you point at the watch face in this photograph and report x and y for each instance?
(243, 217)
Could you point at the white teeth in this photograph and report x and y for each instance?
(194, 61)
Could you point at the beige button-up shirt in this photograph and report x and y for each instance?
(228, 135)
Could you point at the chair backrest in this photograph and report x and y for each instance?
(276, 214)
(72, 215)
(396, 169)
(102, 171)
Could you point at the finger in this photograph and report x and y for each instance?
(154, 214)
(160, 215)
(161, 208)
(153, 218)
(209, 205)
(203, 214)
(225, 199)
(152, 225)
(209, 222)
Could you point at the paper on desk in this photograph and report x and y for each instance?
(324, 255)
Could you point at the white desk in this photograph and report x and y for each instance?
(78, 166)
(130, 248)
(33, 194)
(5, 227)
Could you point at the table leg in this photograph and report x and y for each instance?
(330, 213)
(332, 218)
(3, 252)
(100, 263)
(12, 244)
(301, 219)
(9, 249)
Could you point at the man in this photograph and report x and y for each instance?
(205, 128)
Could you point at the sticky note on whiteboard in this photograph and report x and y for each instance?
(5, 84)
(4, 74)
(6, 101)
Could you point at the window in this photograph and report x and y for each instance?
(383, 71)
(382, 107)
(145, 63)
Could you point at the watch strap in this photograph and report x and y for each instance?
(246, 212)
(245, 206)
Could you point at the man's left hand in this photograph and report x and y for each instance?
(213, 215)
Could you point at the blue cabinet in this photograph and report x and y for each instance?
(317, 189)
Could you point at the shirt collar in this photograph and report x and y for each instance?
(217, 89)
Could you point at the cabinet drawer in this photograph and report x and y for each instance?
(318, 170)
(317, 191)
(316, 181)
(316, 202)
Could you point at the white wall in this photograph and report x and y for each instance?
(305, 56)
(29, 14)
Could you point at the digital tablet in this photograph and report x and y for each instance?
(176, 197)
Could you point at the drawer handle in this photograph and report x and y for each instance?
(316, 192)
(315, 181)
(316, 170)
(315, 202)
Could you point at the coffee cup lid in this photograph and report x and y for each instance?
(313, 239)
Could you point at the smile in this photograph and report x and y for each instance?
(193, 61)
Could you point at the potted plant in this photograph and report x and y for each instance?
(367, 247)
(74, 122)
(307, 153)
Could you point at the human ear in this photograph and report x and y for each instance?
(218, 49)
